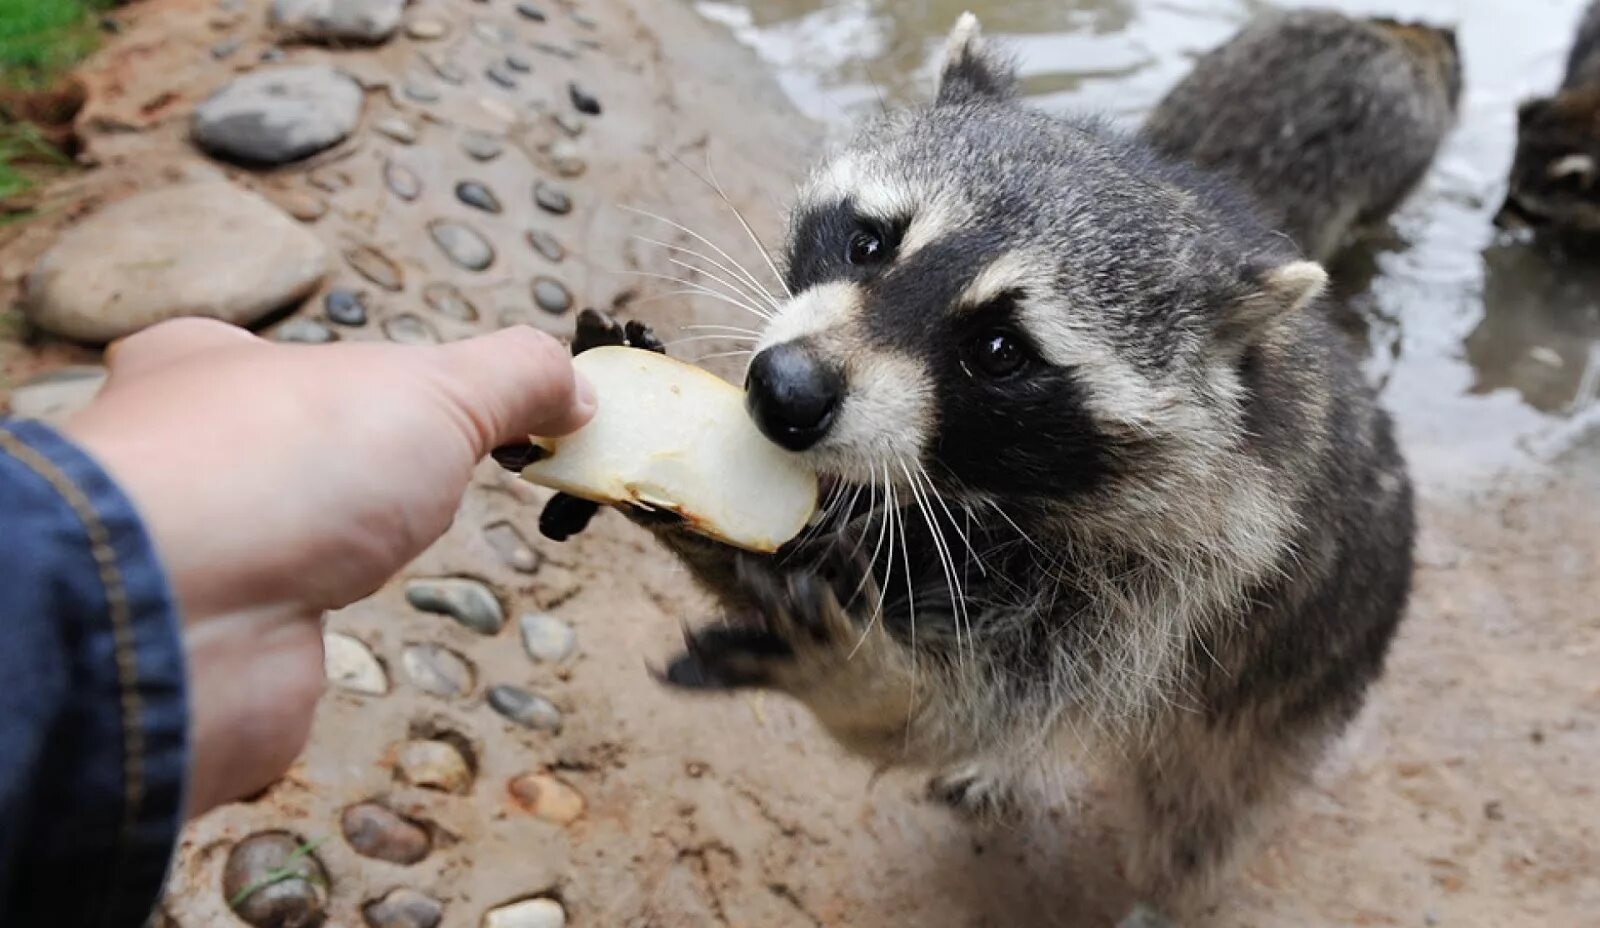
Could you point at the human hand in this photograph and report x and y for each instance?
(279, 481)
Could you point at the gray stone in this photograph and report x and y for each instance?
(426, 30)
(518, 62)
(54, 396)
(345, 307)
(375, 266)
(551, 198)
(501, 75)
(447, 70)
(279, 115)
(398, 129)
(226, 48)
(403, 908)
(529, 710)
(467, 601)
(492, 32)
(530, 913)
(477, 196)
(410, 329)
(462, 244)
(446, 300)
(253, 887)
(201, 249)
(547, 638)
(383, 834)
(530, 12)
(481, 146)
(433, 765)
(514, 551)
(583, 19)
(437, 670)
(420, 90)
(370, 21)
(401, 180)
(305, 332)
(350, 665)
(558, 51)
(568, 162)
(546, 245)
(582, 100)
(551, 295)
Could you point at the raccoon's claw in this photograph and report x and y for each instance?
(642, 336)
(801, 606)
(725, 657)
(594, 329)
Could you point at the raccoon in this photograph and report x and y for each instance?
(1328, 120)
(1108, 490)
(1555, 181)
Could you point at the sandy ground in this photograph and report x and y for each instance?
(1464, 796)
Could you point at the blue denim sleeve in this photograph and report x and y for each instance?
(93, 721)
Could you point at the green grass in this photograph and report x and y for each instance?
(21, 143)
(41, 39)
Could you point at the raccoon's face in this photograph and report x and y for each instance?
(1013, 305)
(1555, 179)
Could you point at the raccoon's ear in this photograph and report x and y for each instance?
(1278, 291)
(972, 70)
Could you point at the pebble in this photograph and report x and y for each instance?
(547, 245)
(583, 19)
(518, 62)
(369, 21)
(582, 100)
(433, 765)
(569, 123)
(508, 542)
(426, 30)
(53, 396)
(409, 329)
(202, 249)
(251, 890)
(403, 908)
(481, 146)
(305, 332)
(302, 205)
(550, 48)
(278, 115)
(584, 41)
(381, 833)
(345, 307)
(437, 670)
(329, 180)
(526, 709)
(350, 665)
(446, 300)
(467, 601)
(477, 196)
(398, 129)
(566, 159)
(462, 244)
(530, 12)
(420, 90)
(551, 295)
(531, 913)
(226, 48)
(500, 75)
(492, 31)
(552, 198)
(375, 266)
(501, 111)
(447, 70)
(272, 55)
(547, 797)
(547, 638)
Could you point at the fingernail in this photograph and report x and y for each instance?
(583, 395)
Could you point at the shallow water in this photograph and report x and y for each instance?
(1487, 350)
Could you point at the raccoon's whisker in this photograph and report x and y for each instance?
(884, 531)
(707, 242)
(710, 338)
(733, 290)
(700, 289)
(748, 286)
(723, 354)
(721, 328)
(1011, 522)
(832, 500)
(739, 214)
(946, 564)
(965, 536)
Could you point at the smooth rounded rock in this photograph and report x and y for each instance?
(301, 204)
(403, 908)
(350, 665)
(529, 710)
(477, 196)
(368, 21)
(547, 797)
(566, 159)
(433, 765)
(547, 638)
(254, 888)
(509, 543)
(518, 62)
(53, 396)
(401, 181)
(481, 146)
(305, 332)
(552, 198)
(583, 19)
(383, 834)
(558, 51)
(426, 30)
(462, 244)
(582, 100)
(437, 670)
(501, 75)
(447, 300)
(551, 295)
(375, 266)
(410, 329)
(492, 32)
(467, 601)
(280, 115)
(203, 249)
(419, 90)
(546, 245)
(345, 307)
(530, 913)
(446, 69)
(398, 129)
(531, 13)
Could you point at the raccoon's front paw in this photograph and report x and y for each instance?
(975, 792)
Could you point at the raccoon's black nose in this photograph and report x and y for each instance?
(792, 395)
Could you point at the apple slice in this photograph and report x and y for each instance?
(670, 436)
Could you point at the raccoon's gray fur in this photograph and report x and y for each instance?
(1328, 120)
(1555, 176)
(1114, 492)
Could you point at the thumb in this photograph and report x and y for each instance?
(517, 382)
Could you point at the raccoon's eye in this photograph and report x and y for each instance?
(995, 354)
(866, 247)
